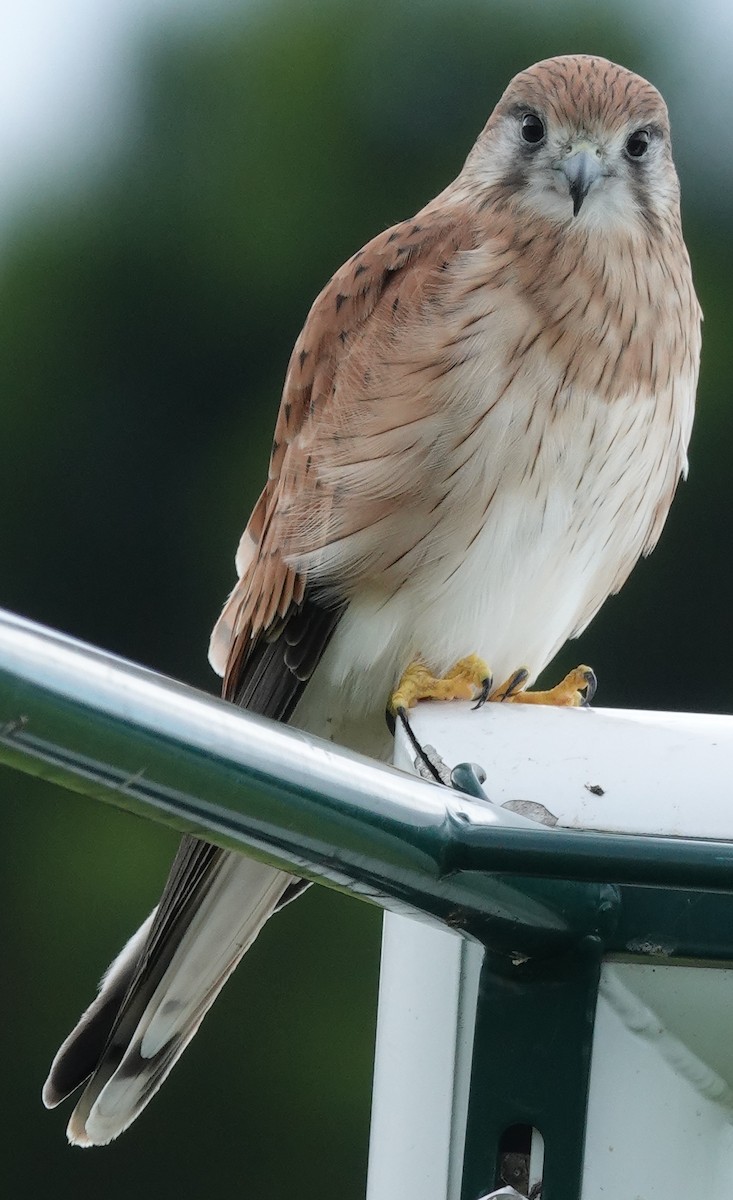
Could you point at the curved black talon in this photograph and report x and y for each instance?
(591, 685)
(484, 693)
(421, 753)
(515, 684)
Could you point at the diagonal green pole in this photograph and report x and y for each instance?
(116, 732)
(119, 733)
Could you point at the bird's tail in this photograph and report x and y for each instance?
(152, 999)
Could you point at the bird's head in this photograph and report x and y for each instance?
(578, 138)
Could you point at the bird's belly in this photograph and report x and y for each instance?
(514, 578)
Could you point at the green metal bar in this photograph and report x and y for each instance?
(109, 729)
(113, 731)
(669, 862)
(644, 860)
(531, 1065)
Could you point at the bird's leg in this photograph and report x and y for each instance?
(469, 679)
(576, 690)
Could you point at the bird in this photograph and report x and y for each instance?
(483, 424)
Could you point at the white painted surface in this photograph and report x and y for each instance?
(660, 1118)
(659, 772)
(427, 1006)
(505, 1191)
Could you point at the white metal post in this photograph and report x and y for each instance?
(660, 1117)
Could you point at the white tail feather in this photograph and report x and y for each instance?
(232, 913)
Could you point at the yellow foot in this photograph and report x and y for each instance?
(469, 679)
(576, 689)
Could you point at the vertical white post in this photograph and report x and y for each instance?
(662, 1062)
(427, 1007)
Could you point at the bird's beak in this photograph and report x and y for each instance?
(581, 167)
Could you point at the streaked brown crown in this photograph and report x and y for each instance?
(592, 89)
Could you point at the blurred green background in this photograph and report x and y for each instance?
(147, 310)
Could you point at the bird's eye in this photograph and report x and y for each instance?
(533, 129)
(638, 143)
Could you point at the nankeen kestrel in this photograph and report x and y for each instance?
(482, 428)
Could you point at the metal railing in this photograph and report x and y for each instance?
(113, 731)
(117, 732)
